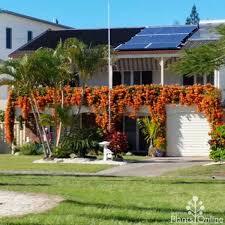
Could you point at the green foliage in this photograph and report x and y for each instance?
(193, 19)
(204, 59)
(46, 120)
(217, 144)
(149, 130)
(31, 149)
(2, 116)
(79, 142)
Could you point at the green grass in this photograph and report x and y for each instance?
(10, 162)
(200, 171)
(119, 201)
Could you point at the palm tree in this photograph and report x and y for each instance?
(149, 130)
(83, 61)
(26, 74)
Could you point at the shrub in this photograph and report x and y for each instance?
(118, 142)
(217, 143)
(80, 142)
(31, 149)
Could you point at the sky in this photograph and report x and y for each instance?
(124, 13)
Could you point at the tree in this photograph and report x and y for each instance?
(24, 75)
(203, 60)
(194, 17)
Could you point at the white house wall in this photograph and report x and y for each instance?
(20, 26)
(99, 79)
(221, 82)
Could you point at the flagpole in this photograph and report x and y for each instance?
(109, 66)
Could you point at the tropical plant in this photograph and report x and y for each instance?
(149, 129)
(30, 149)
(118, 142)
(24, 75)
(79, 142)
(217, 144)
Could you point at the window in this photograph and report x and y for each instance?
(188, 80)
(8, 38)
(147, 77)
(210, 79)
(117, 78)
(137, 78)
(199, 79)
(29, 35)
(127, 78)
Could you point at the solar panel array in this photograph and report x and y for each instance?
(158, 38)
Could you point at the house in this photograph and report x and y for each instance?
(17, 29)
(143, 56)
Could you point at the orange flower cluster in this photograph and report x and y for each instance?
(130, 99)
(9, 119)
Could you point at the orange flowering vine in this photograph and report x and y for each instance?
(129, 100)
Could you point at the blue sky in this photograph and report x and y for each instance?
(124, 13)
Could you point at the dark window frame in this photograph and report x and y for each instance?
(29, 35)
(8, 37)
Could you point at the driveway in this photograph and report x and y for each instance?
(154, 167)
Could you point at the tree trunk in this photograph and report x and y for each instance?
(60, 124)
(43, 129)
(38, 128)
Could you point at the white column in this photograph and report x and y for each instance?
(217, 79)
(162, 71)
(110, 76)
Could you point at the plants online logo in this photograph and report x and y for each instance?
(195, 210)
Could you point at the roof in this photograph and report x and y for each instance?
(34, 19)
(159, 38)
(206, 34)
(50, 38)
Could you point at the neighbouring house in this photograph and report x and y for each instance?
(16, 30)
(142, 57)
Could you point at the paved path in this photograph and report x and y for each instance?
(154, 167)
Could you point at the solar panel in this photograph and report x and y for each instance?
(132, 46)
(168, 45)
(168, 30)
(158, 38)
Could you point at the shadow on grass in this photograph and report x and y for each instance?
(16, 184)
(126, 207)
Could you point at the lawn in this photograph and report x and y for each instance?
(10, 162)
(116, 201)
(200, 171)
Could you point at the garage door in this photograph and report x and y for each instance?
(187, 132)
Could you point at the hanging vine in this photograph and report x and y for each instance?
(129, 99)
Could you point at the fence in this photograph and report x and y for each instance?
(19, 136)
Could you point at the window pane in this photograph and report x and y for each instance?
(8, 38)
(188, 80)
(127, 78)
(117, 79)
(29, 36)
(137, 78)
(200, 79)
(147, 77)
(210, 79)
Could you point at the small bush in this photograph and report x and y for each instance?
(217, 144)
(31, 149)
(80, 142)
(118, 142)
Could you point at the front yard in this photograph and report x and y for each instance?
(24, 163)
(115, 201)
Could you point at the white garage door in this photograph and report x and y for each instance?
(187, 132)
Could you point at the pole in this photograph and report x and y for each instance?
(109, 66)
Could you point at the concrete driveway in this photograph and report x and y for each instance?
(155, 167)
